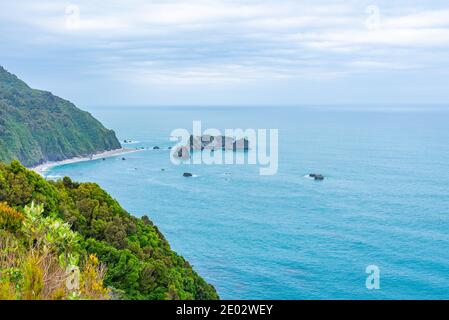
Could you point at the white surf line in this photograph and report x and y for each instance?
(44, 167)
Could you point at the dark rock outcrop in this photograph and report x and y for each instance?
(316, 176)
(182, 153)
(212, 143)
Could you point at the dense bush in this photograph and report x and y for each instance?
(39, 259)
(140, 263)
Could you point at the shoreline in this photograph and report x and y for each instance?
(44, 167)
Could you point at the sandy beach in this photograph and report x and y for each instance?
(42, 168)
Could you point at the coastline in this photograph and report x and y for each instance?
(44, 167)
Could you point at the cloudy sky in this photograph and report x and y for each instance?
(230, 52)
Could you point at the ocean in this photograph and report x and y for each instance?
(384, 201)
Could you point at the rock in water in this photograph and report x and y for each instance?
(187, 174)
(182, 153)
(224, 143)
(195, 143)
(241, 145)
(318, 177)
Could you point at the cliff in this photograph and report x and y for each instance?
(36, 126)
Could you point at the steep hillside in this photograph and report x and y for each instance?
(36, 126)
(138, 260)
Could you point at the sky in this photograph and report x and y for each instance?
(230, 52)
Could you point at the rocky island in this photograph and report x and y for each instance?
(211, 143)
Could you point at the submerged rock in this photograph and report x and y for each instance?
(187, 174)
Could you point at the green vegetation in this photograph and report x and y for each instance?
(138, 260)
(73, 226)
(39, 259)
(36, 126)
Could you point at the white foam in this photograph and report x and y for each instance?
(53, 177)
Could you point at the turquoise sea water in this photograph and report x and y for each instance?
(385, 201)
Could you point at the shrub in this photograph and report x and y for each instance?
(34, 262)
(10, 219)
(140, 262)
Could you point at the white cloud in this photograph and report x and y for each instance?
(238, 40)
(424, 19)
(381, 37)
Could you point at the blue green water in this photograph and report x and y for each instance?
(385, 200)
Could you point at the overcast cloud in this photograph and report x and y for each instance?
(230, 52)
